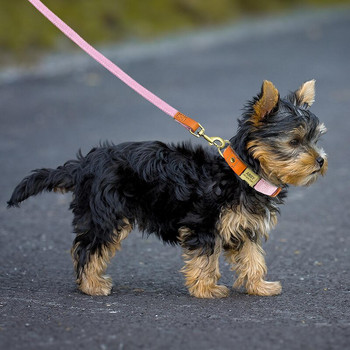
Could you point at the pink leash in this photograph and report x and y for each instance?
(104, 61)
(193, 126)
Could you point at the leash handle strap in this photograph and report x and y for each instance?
(113, 68)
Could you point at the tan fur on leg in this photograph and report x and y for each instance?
(92, 280)
(121, 234)
(250, 266)
(202, 272)
(247, 257)
(234, 223)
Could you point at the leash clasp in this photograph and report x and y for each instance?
(216, 141)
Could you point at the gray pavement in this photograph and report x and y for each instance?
(47, 114)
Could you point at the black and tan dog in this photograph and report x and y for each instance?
(189, 195)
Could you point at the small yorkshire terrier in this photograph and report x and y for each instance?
(189, 195)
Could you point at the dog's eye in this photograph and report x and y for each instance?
(294, 142)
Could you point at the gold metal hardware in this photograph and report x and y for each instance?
(249, 176)
(216, 141)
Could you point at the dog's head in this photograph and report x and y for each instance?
(282, 135)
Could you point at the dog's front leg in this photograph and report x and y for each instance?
(201, 270)
(249, 263)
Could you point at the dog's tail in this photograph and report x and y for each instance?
(58, 180)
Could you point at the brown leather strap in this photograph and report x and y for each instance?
(233, 161)
(187, 121)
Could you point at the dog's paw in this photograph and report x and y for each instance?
(264, 288)
(97, 286)
(220, 292)
(210, 292)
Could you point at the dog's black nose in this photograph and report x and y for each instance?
(320, 161)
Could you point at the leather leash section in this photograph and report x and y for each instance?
(240, 168)
(187, 122)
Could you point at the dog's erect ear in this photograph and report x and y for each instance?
(305, 95)
(268, 100)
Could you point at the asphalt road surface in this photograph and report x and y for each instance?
(68, 102)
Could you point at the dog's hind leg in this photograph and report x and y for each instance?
(201, 270)
(90, 263)
(91, 254)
